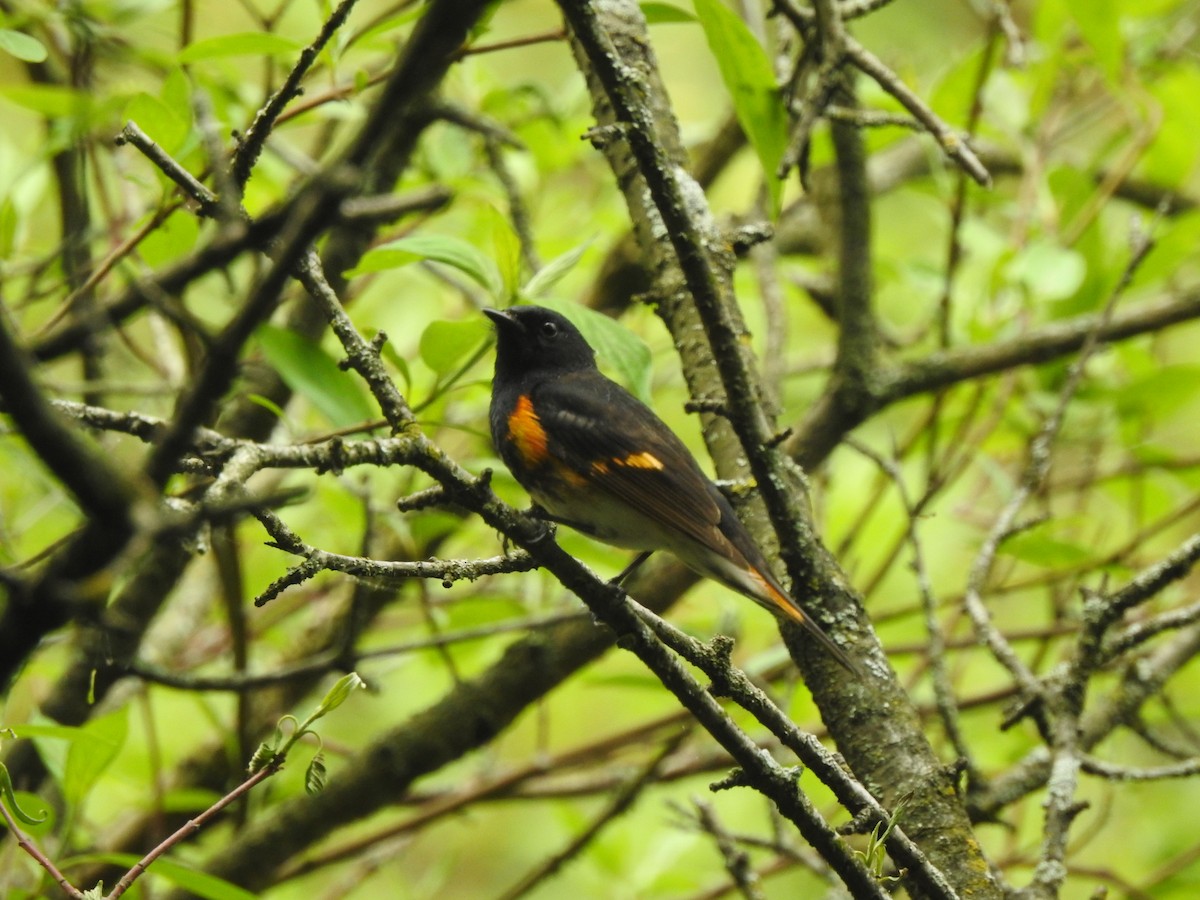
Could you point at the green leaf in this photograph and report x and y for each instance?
(38, 828)
(390, 24)
(165, 125)
(554, 271)
(177, 93)
(342, 689)
(170, 241)
(251, 43)
(1039, 548)
(1072, 190)
(1168, 390)
(665, 13)
(314, 776)
(200, 884)
(446, 342)
(51, 100)
(47, 730)
(1174, 248)
(621, 348)
(310, 371)
(389, 354)
(9, 798)
(506, 251)
(23, 46)
(1047, 271)
(1099, 21)
(268, 404)
(1174, 152)
(9, 222)
(747, 74)
(89, 750)
(264, 756)
(95, 747)
(450, 251)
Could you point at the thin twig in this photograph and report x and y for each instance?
(616, 807)
(952, 144)
(192, 826)
(1031, 480)
(515, 43)
(518, 211)
(265, 120)
(27, 844)
(1138, 634)
(188, 183)
(1187, 769)
(447, 571)
(943, 693)
(731, 682)
(737, 861)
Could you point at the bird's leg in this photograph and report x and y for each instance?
(537, 512)
(620, 577)
(540, 512)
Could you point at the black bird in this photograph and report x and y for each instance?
(596, 458)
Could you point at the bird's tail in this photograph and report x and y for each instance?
(783, 605)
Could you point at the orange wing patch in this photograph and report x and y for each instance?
(641, 460)
(526, 432)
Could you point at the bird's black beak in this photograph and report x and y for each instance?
(503, 321)
(498, 316)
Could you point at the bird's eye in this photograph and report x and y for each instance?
(549, 329)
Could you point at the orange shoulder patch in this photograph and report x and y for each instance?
(526, 432)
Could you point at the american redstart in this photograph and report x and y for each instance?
(596, 458)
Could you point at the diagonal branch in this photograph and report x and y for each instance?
(951, 143)
(686, 223)
(251, 144)
(108, 495)
(828, 421)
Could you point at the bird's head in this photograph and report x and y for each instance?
(533, 338)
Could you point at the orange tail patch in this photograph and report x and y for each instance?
(778, 600)
(785, 605)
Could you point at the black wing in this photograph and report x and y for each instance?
(607, 435)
